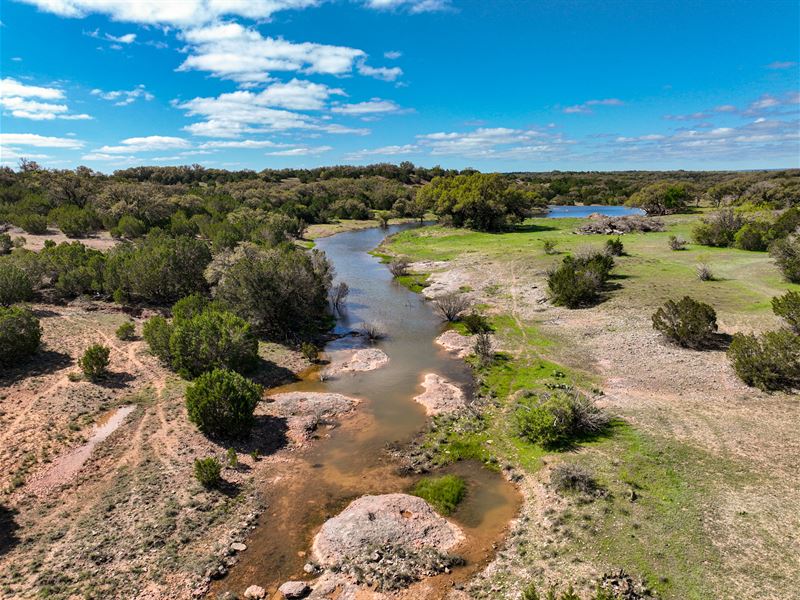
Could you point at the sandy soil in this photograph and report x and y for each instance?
(440, 395)
(102, 240)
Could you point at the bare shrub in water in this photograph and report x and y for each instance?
(372, 332)
(339, 294)
(451, 305)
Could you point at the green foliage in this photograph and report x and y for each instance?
(486, 202)
(549, 247)
(571, 477)
(158, 268)
(212, 340)
(71, 269)
(221, 403)
(279, 228)
(126, 331)
(786, 253)
(157, 332)
(20, 334)
(753, 236)
(233, 458)
(676, 243)
(615, 247)
(310, 351)
(129, 227)
(191, 306)
(74, 221)
(719, 229)
(661, 198)
(282, 292)
(5, 244)
(32, 223)
(15, 285)
(94, 362)
(443, 493)
(475, 322)
(579, 281)
(207, 471)
(557, 419)
(689, 323)
(768, 362)
(788, 307)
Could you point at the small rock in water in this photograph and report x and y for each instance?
(310, 568)
(238, 546)
(256, 592)
(294, 589)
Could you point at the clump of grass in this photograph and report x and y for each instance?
(443, 493)
(704, 272)
(676, 243)
(569, 477)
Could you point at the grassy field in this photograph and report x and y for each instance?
(672, 490)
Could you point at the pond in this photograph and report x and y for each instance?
(581, 212)
(352, 461)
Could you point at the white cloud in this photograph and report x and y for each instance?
(124, 97)
(384, 73)
(16, 99)
(376, 106)
(246, 144)
(178, 13)
(301, 151)
(145, 144)
(414, 6)
(496, 142)
(586, 107)
(383, 151)
(392, 54)
(38, 141)
(127, 38)
(782, 64)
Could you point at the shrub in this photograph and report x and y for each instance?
(221, 403)
(615, 247)
(212, 340)
(398, 267)
(71, 268)
(94, 362)
(753, 236)
(443, 493)
(372, 332)
(20, 334)
(451, 305)
(339, 294)
(788, 307)
(661, 198)
(32, 223)
(191, 306)
(475, 322)
(676, 243)
(15, 285)
(704, 272)
(74, 221)
(129, 227)
(157, 268)
(689, 323)
(156, 332)
(786, 253)
(549, 247)
(207, 471)
(5, 244)
(556, 419)
(233, 458)
(570, 477)
(579, 281)
(483, 348)
(310, 351)
(126, 331)
(769, 362)
(718, 229)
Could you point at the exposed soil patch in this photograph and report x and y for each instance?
(440, 395)
(356, 361)
(460, 345)
(305, 411)
(102, 240)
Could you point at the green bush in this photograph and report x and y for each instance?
(126, 331)
(94, 362)
(689, 323)
(556, 419)
(71, 269)
(191, 306)
(32, 223)
(207, 471)
(768, 362)
(74, 221)
(212, 340)
(615, 247)
(661, 198)
(15, 285)
(157, 268)
(20, 334)
(221, 403)
(443, 493)
(475, 322)
(5, 244)
(129, 227)
(156, 332)
(718, 229)
(579, 281)
(753, 236)
(786, 253)
(676, 243)
(788, 307)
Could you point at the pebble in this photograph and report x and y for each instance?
(238, 547)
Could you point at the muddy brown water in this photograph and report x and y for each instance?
(350, 461)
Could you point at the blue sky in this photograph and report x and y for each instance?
(526, 85)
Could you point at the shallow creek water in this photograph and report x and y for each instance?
(351, 461)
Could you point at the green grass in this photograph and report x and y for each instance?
(416, 282)
(443, 493)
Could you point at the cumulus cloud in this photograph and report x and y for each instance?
(178, 13)
(148, 143)
(373, 107)
(586, 107)
(384, 73)
(124, 97)
(25, 102)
